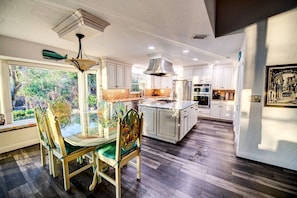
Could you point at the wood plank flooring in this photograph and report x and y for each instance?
(203, 164)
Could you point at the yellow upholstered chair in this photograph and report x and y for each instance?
(119, 153)
(62, 110)
(44, 137)
(64, 151)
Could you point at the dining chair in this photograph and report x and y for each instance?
(121, 152)
(66, 152)
(62, 110)
(44, 137)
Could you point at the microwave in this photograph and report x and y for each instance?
(201, 89)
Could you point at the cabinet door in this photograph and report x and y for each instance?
(120, 73)
(128, 77)
(167, 124)
(217, 78)
(184, 117)
(156, 82)
(207, 74)
(227, 112)
(149, 121)
(188, 74)
(166, 82)
(191, 119)
(215, 111)
(227, 78)
(198, 75)
(111, 77)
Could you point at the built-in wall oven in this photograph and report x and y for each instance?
(201, 94)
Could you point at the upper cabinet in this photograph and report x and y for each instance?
(202, 74)
(116, 75)
(198, 74)
(157, 82)
(223, 77)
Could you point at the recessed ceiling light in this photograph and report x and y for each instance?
(195, 59)
(186, 51)
(151, 47)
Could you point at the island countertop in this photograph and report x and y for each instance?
(176, 105)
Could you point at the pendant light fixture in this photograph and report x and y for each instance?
(80, 63)
(80, 23)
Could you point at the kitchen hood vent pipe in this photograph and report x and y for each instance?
(160, 67)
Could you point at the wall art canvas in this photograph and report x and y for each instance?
(281, 86)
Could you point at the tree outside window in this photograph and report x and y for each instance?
(31, 86)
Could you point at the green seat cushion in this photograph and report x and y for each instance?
(70, 148)
(109, 150)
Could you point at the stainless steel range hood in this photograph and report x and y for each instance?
(160, 67)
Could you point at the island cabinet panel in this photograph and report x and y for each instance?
(169, 122)
(167, 125)
(149, 121)
(184, 117)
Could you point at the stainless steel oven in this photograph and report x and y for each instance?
(203, 100)
(201, 89)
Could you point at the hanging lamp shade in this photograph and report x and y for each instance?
(80, 63)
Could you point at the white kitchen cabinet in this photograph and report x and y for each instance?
(202, 74)
(128, 76)
(223, 77)
(184, 117)
(222, 110)
(191, 119)
(149, 121)
(203, 112)
(188, 73)
(167, 125)
(116, 75)
(166, 82)
(157, 82)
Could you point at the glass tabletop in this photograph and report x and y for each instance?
(85, 129)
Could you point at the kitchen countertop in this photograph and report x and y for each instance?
(178, 105)
(124, 100)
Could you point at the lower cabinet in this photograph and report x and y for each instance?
(184, 124)
(149, 121)
(222, 110)
(167, 125)
(204, 112)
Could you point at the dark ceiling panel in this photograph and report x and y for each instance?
(232, 15)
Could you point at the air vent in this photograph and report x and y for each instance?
(199, 36)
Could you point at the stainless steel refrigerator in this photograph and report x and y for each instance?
(182, 89)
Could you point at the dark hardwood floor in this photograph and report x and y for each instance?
(203, 164)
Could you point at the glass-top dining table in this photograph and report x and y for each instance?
(84, 129)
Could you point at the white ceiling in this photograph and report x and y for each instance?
(135, 24)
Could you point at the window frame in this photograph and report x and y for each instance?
(5, 99)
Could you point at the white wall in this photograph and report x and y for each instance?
(268, 134)
(12, 140)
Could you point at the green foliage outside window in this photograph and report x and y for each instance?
(37, 86)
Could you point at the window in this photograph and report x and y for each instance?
(92, 91)
(31, 86)
(138, 79)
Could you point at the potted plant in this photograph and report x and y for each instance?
(92, 100)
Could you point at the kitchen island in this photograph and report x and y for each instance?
(168, 120)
